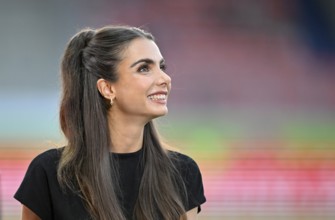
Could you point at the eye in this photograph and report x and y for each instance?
(163, 66)
(143, 68)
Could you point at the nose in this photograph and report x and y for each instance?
(164, 78)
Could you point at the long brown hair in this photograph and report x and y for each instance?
(85, 164)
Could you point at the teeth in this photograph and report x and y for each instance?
(157, 97)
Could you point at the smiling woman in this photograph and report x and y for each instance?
(114, 165)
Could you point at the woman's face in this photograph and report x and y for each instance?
(143, 86)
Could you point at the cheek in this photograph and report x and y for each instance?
(134, 92)
(137, 87)
(141, 86)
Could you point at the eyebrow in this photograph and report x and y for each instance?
(146, 60)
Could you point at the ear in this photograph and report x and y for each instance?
(106, 89)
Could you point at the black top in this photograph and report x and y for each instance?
(41, 192)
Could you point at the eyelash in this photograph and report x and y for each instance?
(163, 67)
(146, 67)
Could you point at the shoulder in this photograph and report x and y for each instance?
(53, 153)
(48, 155)
(187, 167)
(40, 183)
(46, 160)
(183, 162)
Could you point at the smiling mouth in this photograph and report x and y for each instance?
(158, 97)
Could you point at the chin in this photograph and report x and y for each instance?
(159, 113)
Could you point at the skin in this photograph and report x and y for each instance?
(141, 73)
(192, 214)
(27, 214)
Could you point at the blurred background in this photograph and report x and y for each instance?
(253, 98)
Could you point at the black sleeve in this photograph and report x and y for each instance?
(193, 182)
(194, 186)
(34, 190)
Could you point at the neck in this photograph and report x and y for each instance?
(126, 134)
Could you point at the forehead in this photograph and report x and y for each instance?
(141, 48)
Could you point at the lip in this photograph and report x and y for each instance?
(159, 93)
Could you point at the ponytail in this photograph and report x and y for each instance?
(72, 78)
(79, 117)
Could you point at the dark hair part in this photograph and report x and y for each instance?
(86, 164)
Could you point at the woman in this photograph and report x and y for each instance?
(114, 166)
